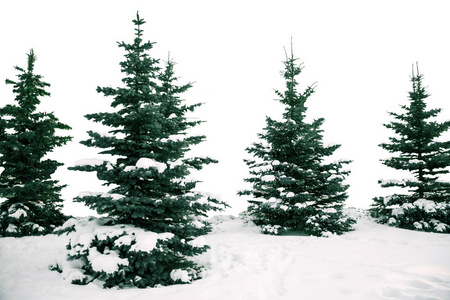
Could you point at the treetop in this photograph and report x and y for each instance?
(138, 22)
(29, 86)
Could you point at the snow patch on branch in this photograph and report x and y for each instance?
(329, 210)
(89, 162)
(146, 163)
(11, 228)
(108, 263)
(18, 213)
(178, 162)
(268, 178)
(88, 194)
(181, 275)
(426, 205)
(10, 131)
(304, 204)
(275, 163)
(146, 241)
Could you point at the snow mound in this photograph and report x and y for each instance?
(98, 244)
(221, 218)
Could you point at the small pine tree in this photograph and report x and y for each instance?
(293, 188)
(149, 177)
(32, 199)
(417, 149)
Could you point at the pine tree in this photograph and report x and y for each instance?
(293, 188)
(149, 177)
(418, 150)
(32, 199)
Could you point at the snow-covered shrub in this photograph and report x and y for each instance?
(305, 219)
(124, 255)
(327, 222)
(272, 229)
(21, 219)
(422, 214)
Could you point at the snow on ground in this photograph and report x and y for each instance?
(372, 262)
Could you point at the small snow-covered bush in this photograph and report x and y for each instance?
(272, 229)
(328, 222)
(124, 255)
(305, 219)
(422, 214)
(21, 219)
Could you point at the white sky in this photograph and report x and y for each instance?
(359, 52)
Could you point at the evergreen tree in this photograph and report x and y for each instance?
(293, 188)
(150, 188)
(32, 199)
(418, 150)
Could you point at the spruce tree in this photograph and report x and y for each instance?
(32, 200)
(149, 173)
(417, 149)
(293, 188)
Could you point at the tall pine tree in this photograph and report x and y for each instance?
(149, 174)
(292, 187)
(417, 149)
(32, 199)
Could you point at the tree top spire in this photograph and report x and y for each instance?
(417, 69)
(138, 22)
(31, 60)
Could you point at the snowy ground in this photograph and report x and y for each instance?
(372, 262)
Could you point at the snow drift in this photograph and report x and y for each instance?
(373, 262)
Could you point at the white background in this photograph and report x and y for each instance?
(359, 52)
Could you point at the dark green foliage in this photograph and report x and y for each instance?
(418, 150)
(293, 188)
(26, 137)
(148, 141)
